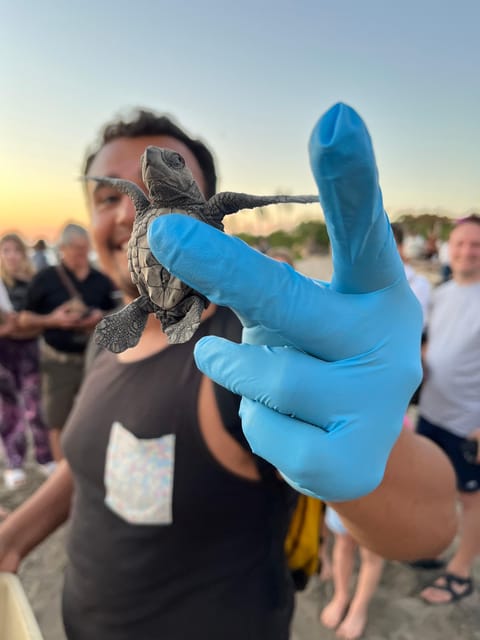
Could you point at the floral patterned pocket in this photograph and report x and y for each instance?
(139, 476)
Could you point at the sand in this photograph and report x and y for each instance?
(396, 612)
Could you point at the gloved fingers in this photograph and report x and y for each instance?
(364, 253)
(262, 291)
(333, 466)
(281, 378)
(290, 381)
(282, 440)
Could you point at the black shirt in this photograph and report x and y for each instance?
(17, 294)
(47, 292)
(166, 543)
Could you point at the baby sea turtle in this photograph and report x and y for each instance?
(171, 188)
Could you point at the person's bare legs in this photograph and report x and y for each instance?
(343, 557)
(324, 558)
(370, 572)
(468, 549)
(55, 446)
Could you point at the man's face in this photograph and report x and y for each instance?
(113, 213)
(464, 248)
(75, 253)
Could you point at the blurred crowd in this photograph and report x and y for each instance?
(50, 303)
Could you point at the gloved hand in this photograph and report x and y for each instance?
(326, 370)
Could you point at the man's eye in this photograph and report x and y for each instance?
(108, 200)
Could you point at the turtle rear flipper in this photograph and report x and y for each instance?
(122, 330)
(181, 330)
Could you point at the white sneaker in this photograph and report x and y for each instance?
(48, 468)
(14, 478)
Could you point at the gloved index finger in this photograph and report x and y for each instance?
(364, 253)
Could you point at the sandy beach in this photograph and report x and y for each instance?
(396, 612)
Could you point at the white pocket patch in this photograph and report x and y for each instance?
(139, 476)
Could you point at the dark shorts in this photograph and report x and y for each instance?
(62, 375)
(468, 474)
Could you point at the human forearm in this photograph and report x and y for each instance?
(20, 333)
(37, 517)
(412, 512)
(60, 318)
(30, 321)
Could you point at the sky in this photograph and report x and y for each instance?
(250, 78)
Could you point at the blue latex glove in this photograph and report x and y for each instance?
(326, 370)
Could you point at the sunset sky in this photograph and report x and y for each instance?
(251, 78)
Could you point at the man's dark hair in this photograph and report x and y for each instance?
(473, 217)
(397, 233)
(148, 123)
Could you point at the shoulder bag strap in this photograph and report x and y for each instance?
(67, 282)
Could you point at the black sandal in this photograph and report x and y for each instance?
(452, 583)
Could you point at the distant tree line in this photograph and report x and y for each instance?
(311, 236)
(306, 238)
(427, 225)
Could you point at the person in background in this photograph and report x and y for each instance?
(19, 357)
(430, 247)
(39, 257)
(172, 525)
(282, 254)
(5, 303)
(444, 260)
(349, 615)
(422, 289)
(65, 302)
(419, 284)
(449, 407)
(7, 325)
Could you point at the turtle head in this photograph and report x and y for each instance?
(168, 179)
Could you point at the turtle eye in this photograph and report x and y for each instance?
(174, 160)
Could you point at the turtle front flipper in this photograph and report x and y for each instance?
(122, 330)
(139, 199)
(227, 202)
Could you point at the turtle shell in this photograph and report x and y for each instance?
(152, 279)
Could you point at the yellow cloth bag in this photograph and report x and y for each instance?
(302, 543)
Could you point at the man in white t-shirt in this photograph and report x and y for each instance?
(449, 409)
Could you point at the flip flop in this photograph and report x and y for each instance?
(451, 581)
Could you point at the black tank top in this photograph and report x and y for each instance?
(165, 542)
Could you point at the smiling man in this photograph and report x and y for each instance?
(450, 400)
